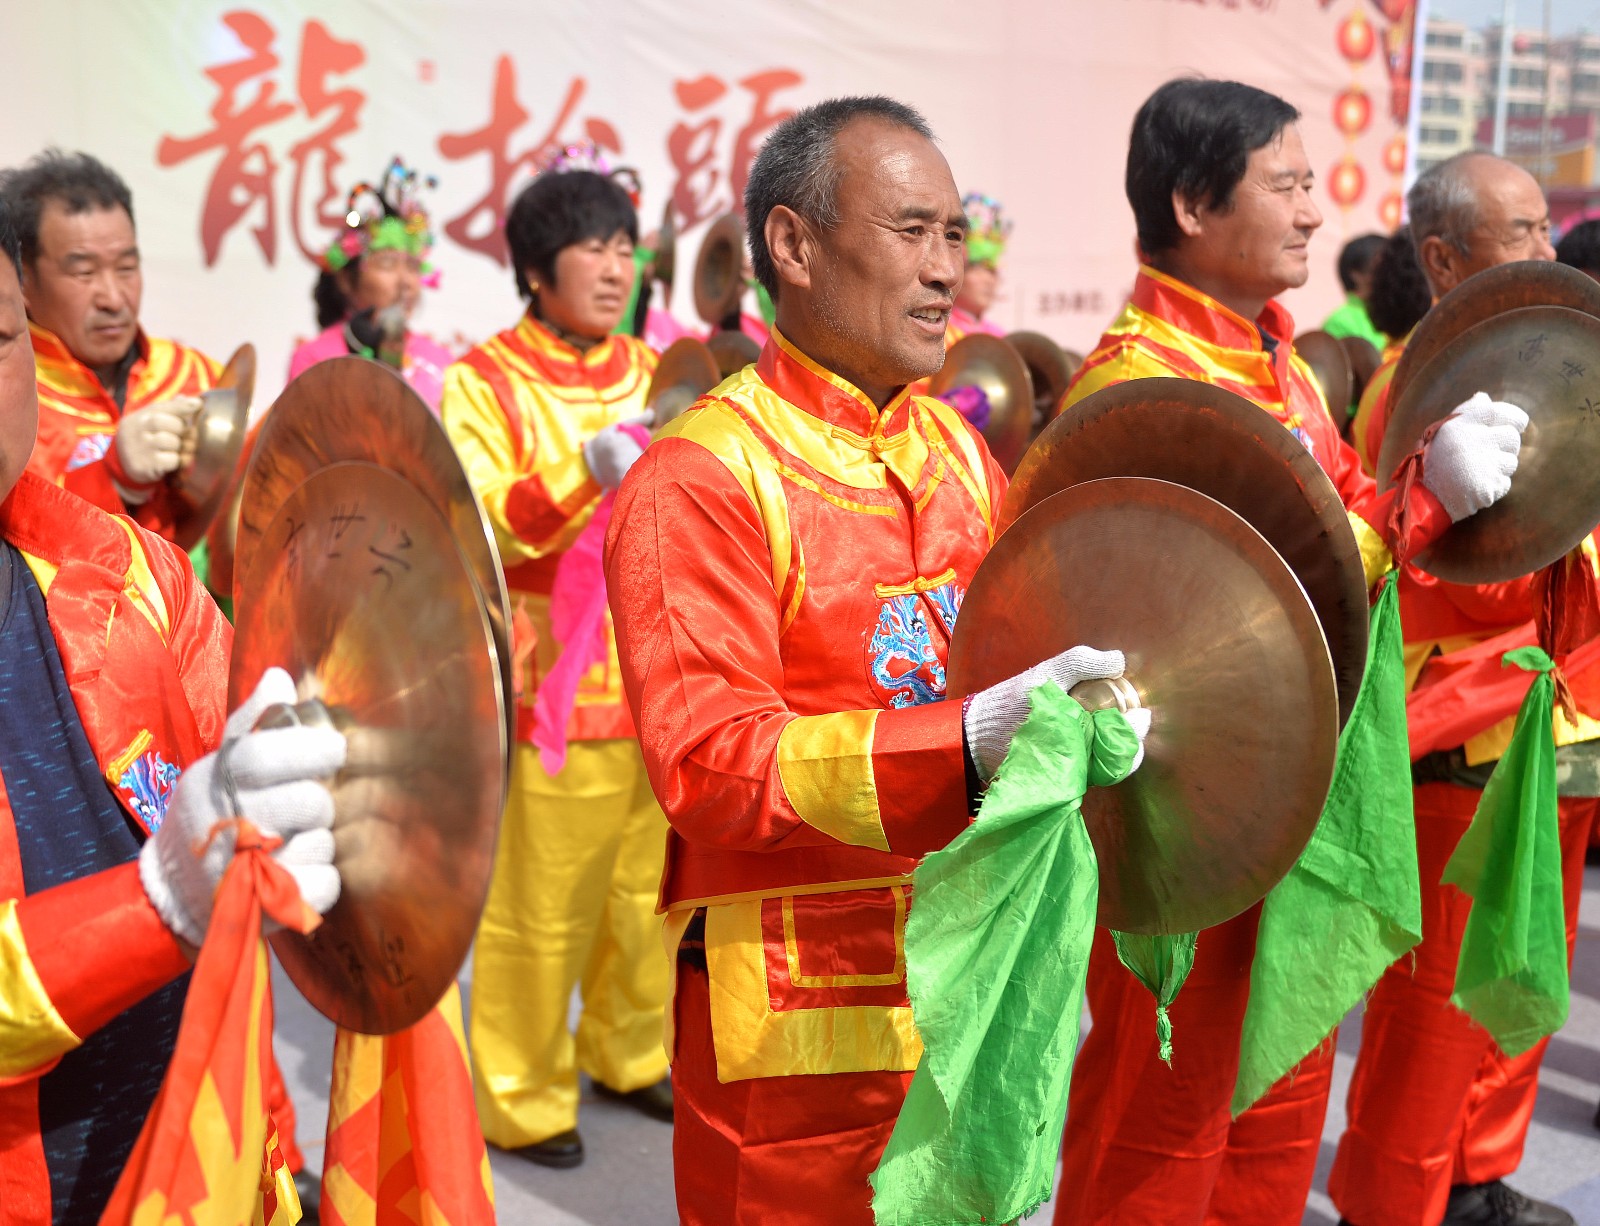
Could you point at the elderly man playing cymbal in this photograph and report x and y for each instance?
(785, 570)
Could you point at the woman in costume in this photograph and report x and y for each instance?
(547, 418)
(987, 231)
(372, 279)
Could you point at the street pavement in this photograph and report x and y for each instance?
(627, 1178)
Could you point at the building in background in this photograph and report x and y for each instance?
(1552, 106)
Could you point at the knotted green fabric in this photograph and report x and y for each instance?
(1512, 976)
(997, 950)
(1352, 904)
(1162, 963)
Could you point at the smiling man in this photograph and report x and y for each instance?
(1221, 189)
(785, 569)
(113, 402)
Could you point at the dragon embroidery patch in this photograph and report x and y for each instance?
(148, 782)
(905, 660)
(91, 449)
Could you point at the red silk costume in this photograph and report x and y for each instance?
(785, 569)
(1145, 1143)
(78, 419)
(145, 652)
(1433, 1101)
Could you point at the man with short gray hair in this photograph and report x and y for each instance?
(785, 569)
(1437, 1112)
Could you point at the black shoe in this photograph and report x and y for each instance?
(562, 1151)
(654, 1101)
(309, 1188)
(1495, 1204)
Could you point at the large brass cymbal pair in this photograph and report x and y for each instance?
(367, 569)
(1527, 333)
(1145, 520)
(1050, 370)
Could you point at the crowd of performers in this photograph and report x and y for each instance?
(762, 748)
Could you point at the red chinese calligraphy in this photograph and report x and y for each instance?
(244, 180)
(321, 57)
(692, 148)
(479, 227)
(244, 175)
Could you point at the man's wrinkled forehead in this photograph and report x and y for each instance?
(894, 173)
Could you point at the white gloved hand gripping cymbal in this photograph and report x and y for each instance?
(276, 783)
(1469, 463)
(609, 454)
(149, 441)
(994, 715)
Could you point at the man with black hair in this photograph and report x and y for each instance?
(1220, 186)
(113, 831)
(1356, 260)
(1438, 1114)
(546, 418)
(785, 567)
(114, 403)
(1580, 248)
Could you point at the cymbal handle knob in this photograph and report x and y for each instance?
(1103, 693)
(312, 713)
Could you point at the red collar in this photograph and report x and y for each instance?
(808, 385)
(42, 519)
(1204, 317)
(64, 371)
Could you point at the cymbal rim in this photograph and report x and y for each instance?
(222, 424)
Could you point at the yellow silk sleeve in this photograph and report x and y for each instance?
(477, 426)
(825, 764)
(32, 1032)
(1376, 560)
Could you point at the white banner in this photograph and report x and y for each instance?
(241, 127)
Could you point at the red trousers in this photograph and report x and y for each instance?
(1150, 1144)
(1433, 1101)
(771, 1151)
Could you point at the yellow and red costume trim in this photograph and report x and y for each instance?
(519, 408)
(145, 653)
(785, 568)
(1171, 329)
(78, 418)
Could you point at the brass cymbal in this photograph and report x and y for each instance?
(1050, 368)
(1505, 287)
(1224, 648)
(351, 409)
(666, 262)
(1218, 443)
(1364, 362)
(217, 438)
(997, 369)
(357, 588)
(686, 372)
(719, 270)
(1330, 366)
(1546, 361)
(732, 351)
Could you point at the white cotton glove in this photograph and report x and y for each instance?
(277, 774)
(150, 440)
(994, 715)
(1469, 463)
(612, 452)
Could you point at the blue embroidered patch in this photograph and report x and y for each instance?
(149, 780)
(91, 449)
(906, 666)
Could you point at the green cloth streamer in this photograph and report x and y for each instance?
(997, 950)
(1351, 906)
(1512, 976)
(1162, 963)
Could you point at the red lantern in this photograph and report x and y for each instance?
(1394, 154)
(1356, 39)
(1389, 211)
(1347, 182)
(1352, 111)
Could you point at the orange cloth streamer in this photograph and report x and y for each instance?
(208, 1150)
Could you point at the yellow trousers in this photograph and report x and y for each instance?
(572, 902)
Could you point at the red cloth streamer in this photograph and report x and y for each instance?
(1406, 477)
(208, 1151)
(1568, 595)
(578, 622)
